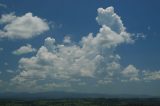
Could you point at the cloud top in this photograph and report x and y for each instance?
(109, 18)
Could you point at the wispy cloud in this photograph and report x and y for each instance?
(1, 49)
(3, 5)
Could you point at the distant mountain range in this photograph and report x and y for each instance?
(62, 95)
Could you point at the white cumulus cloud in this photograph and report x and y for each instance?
(151, 75)
(91, 61)
(92, 58)
(24, 50)
(109, 18)
(131, 72)
(22, 27)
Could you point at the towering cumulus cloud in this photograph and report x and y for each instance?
(66, 64)
(92, 61)
(109, 18)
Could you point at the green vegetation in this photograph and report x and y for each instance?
(82, 102)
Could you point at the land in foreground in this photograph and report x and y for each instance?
(83, 102)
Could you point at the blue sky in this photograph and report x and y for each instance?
(102, 46)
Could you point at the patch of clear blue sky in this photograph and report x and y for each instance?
(78, 19)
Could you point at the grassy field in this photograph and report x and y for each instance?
(83, 102)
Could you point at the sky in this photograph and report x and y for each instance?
(92, 46)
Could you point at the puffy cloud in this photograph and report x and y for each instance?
(131, 72)
(109, 38)
(22, 27)
(65, 62)
(67, 39)
(49, 43)
(104, 82)
(113, 67)
(151, 75)
(24, 50)
(93, 58)
(7, 18)
(109, 18)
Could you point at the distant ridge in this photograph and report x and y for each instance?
(62, 95)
